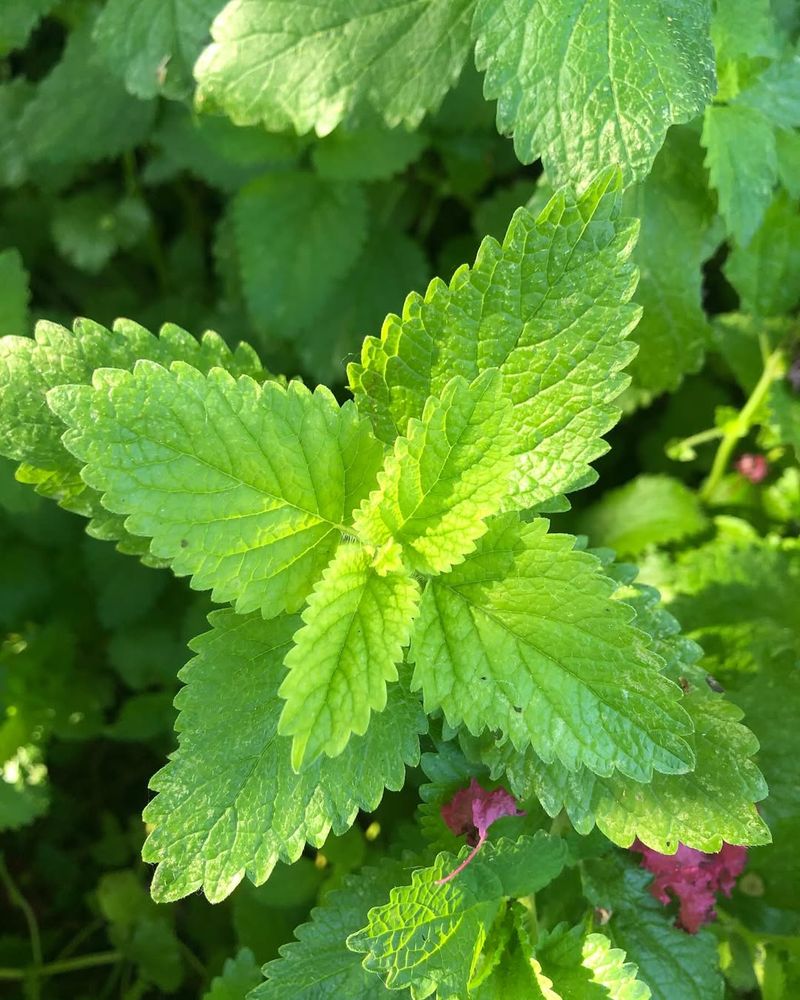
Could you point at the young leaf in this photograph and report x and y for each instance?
(319, 966)
(356, 625)
(229, 803)
(14, 294)
(586, 85)
(246, 488)
(549, 308)
(152, 44)
(286, 281)
(429, 935)
(671, 962)
(31, 433)
(306, 65)
(649, 510)
(524, 637)
(577, 963)
(81, 98)
(445, 477)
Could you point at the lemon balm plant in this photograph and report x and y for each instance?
(405, 597)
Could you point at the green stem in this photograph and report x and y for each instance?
(737, 429)
(68, 965)
(18, 900)
(701, 438)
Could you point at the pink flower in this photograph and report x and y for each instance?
(752, 467)
(471, 812)
(693, 878)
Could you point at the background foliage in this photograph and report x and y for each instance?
(228, 179)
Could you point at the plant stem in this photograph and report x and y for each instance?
(68, 965)
(18, 900)
(738, 428)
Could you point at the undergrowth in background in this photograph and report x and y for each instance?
(492, 689)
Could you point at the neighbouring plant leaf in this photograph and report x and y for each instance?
(245, 488)
(511, 640)
(153, 45)
(556, 289)
(19, 19)
(742, 164)
(766, 273)
(229, 803)
(445, 477)
(671, 962)
(286, 280)
(676, 213)
(389, 264)
(356, 625)
(743, 28)
(14, 293)
(783, 407)
(648, 511)
(90, 227)
(738, 597)
(584, 965)
(31, 433)
(80, 112)
(239, 976)
(319, 965)
(311, 66)
(429, 935)
(366, 154)
(575, 83)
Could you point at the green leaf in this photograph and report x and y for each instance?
(784, 415)
(649, 510)
(14, 293)
(31, 433)
(24, 791)
(245, 488)
(19, 19)
(319, 966)
(81, 113)
(738, 597)
(676, 214)
(742, 163)
(229, 803)
(586, 85)
(787, 143)
(366, 154)
(775, 94)
(428, 937)
(712, 804)
(356, 625)
(523, 637)
(14, 97)
(239, 975)
(309, 65)
(556, 289)
(90, 227)
(286, 279)
(214, 149)
(390, 263)
(583, 966)
(140, 931)
(445, 477)
(743, 28)
(671, 962)
(152, 45)
(766, 273)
